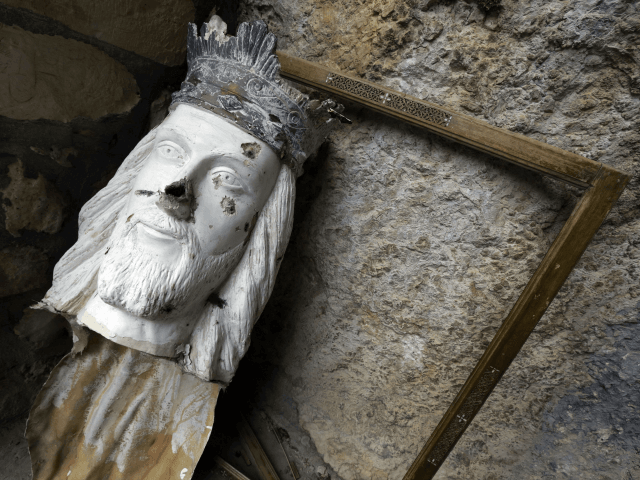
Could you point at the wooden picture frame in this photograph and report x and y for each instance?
(603, 186)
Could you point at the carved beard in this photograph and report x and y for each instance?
(134, 280)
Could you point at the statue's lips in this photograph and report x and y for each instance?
(156, 232)
(164, 244)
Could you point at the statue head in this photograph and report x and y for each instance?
(178, 254)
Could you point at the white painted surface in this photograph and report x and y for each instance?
(163, 263)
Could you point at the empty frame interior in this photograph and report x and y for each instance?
(603, 185)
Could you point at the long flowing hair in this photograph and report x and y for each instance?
(222, 333)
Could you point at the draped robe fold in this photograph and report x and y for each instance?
(112, 413)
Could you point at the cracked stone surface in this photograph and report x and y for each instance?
(408, 251)
(53, 78)
(156, 30)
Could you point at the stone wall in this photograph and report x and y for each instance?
(408, 250)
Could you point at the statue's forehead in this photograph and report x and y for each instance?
(195, 126)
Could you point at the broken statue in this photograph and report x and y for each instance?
(175, 260)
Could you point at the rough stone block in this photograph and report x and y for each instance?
(40, 328)
(156, 30)
(22, 268)
(53, 78)
(32, 204)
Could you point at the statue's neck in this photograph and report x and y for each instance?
(164, 337)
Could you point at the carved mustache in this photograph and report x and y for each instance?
(160, 221)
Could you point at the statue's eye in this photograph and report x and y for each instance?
(170, 151)
(226, 179)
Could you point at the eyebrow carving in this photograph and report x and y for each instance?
(173, 129)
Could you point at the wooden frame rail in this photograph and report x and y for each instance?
(603, 185)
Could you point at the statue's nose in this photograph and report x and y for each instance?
(177, 199)
(176, 189)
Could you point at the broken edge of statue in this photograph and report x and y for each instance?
(175, 261)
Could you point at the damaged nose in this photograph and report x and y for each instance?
(176, 189)
(177, 200)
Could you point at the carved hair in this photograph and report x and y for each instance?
(75, 275)
(221, 335)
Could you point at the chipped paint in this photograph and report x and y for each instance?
(159, 432)
(228, 205)
(144, 193)
(251, 150)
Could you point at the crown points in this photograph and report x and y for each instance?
(238, 78)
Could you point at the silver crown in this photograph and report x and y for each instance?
(238, 78)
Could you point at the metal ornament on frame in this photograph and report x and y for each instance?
(603, 186)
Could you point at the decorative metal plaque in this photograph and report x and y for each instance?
(397, 102)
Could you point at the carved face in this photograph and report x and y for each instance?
(208, 173)
(193, 205)
(199, 207)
